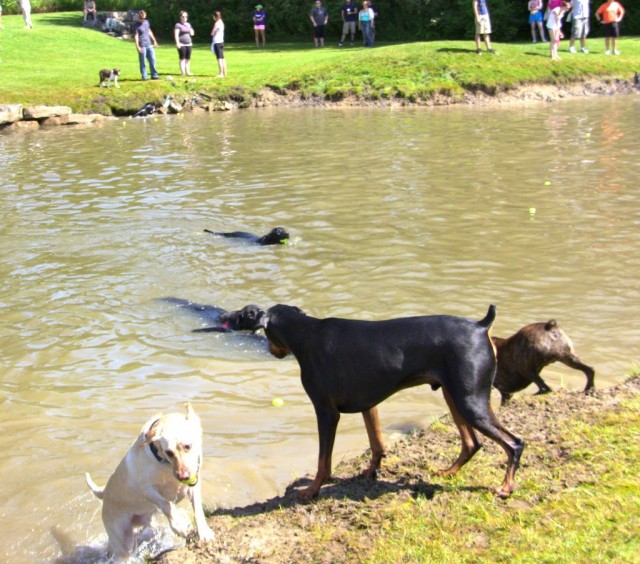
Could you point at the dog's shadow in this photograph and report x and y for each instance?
(356, 489)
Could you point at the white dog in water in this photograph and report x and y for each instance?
(160, 469)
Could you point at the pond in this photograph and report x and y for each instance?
(391, 212)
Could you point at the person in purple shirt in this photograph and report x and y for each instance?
(260, 25)
(145, 41)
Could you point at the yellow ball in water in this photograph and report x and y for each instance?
(277, 402)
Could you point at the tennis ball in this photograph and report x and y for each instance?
(277, 402)
(190, 481)
(532, 211)
(547, 182)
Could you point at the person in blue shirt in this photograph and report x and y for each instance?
(260, 25)
(349, 19)
(483, 25)
(365, 22)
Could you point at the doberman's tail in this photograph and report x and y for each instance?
(489, 318)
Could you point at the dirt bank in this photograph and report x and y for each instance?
(282, 529)
(524, 94)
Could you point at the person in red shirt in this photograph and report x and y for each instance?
(610, 14)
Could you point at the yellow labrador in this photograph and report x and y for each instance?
(160, 469)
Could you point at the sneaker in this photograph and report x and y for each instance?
(616, 52)
(340, 44)
(584, 50)
(479, 51)
(607, 52)
(572, 50)
(491, 51)
(534, 41)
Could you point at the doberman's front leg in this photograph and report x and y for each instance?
(327, 425)
(372, 424)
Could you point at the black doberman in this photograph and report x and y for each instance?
(249, 318)
(522, 356)
(350, 366)
(277, 236)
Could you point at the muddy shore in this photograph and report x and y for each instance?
(283, 529)
(18, 118)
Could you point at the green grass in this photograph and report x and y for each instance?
(58, 61)
(592, 514)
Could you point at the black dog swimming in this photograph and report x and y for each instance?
(277, 236)
(222, 321)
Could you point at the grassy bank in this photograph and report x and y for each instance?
(578, 497)
(58, 61)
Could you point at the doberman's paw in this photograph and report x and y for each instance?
(446, 472)
(504, 491)
(308, 493)
(370, 473)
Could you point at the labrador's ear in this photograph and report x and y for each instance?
(152, 432)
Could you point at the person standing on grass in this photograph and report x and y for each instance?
(535, 20)
(483, 25)
(373, 21)
(217, 44)
(554, 25)
(365, 21)
(319, 18)
(610, 14)
(1, 26)
(25, 6)
(260, 25)
(145, 42)
(349, 14)
(182, 33)
(579, 25)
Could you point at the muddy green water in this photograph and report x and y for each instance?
(391, 213)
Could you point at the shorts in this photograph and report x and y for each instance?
(259, 26)
(349, 27)
(184, 52)
(535, 18)
(483, 25)
(318, 31)
(612, 30)
(579, 28)
(218, 50)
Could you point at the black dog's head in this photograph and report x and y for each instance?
(276, 317)
(249, 318)
(277, 236)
